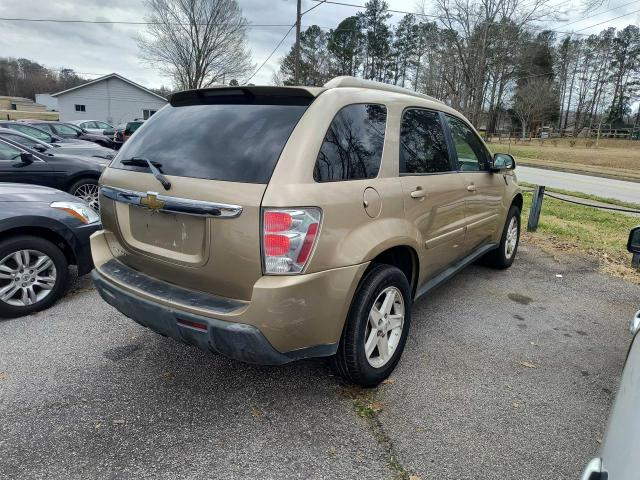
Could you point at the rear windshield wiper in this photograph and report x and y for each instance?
(153, 166)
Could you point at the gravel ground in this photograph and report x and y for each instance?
(506, 375)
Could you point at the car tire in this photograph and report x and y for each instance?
(503, 256)
(365, 327)
(26, 290)
(88, 190)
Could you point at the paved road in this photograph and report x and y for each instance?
(86, 393)
(602, 187)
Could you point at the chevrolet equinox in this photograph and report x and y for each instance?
(271, 224)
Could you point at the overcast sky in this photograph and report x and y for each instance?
(95, 50)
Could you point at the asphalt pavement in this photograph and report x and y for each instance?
(602, 187)
(506, 375)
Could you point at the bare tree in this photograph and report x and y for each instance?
(477, 24)
(196, 42)
(533, 101)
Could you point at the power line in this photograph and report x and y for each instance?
(607, 21)
(315, 6)
(441, 17)
(270, 55)
(600, 13)
(123, 22)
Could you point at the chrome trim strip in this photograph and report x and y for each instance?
(435, 241)
(172, 204)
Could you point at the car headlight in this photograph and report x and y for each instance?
(81, 211)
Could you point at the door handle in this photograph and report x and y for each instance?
(471, 188)
(418, 193)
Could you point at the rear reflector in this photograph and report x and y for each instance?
(309, 238)
(191, 324)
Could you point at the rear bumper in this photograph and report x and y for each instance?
(288, 317)
(234, 340)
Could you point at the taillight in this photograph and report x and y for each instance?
(288, 238)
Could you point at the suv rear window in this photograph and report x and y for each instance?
(352, 147)
(229, 142)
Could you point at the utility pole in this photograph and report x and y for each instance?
(298, 20)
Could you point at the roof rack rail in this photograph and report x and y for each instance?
(353, 82)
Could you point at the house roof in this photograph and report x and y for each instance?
(106, 77)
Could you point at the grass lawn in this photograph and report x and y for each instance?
(612, 158)
(578, 229)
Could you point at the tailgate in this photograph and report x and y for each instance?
(217, 148)
(202, 234)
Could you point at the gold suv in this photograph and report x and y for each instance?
(270, 224)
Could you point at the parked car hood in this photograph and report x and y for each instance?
(20, 192)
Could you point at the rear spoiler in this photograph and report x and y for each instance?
(245, 96)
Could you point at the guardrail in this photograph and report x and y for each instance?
(538, 197)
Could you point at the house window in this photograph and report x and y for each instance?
(81, 108)
(14, 106)
(147, 113)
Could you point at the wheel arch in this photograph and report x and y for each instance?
(46, 233)
(81, 176)
(405, 258)
(518, 200)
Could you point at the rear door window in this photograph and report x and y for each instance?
(423, 145)
(352, 147)
(234, 143)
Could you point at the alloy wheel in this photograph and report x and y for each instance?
(89, 193)
(384, 327)
(26, 277)
(512, 238)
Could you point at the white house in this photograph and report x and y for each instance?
(111, 98)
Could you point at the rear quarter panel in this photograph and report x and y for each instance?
(348, 235)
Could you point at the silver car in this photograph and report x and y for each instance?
(619, 457)
(85, 149)
(92, 126)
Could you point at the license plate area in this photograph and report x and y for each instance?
(173, 237)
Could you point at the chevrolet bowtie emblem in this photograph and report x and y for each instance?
(152, 202)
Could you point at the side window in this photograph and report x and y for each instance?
(26, 141)
(472, 156)
(352, 147)
(32, 132)
(45, 126)
(8, 152)
(423, 147)
(62, 129)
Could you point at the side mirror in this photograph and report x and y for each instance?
(633, 245)
(503, 161)
(25, 159)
